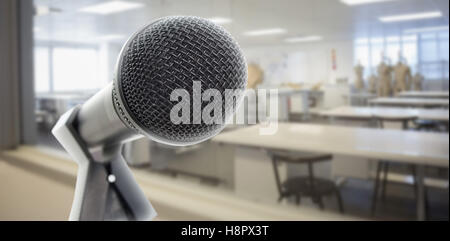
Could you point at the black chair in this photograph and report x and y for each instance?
(427, 125)
(383, 165)
(304, 186)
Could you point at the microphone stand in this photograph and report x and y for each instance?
(105, 187)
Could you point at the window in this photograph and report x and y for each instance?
(41, 70)
(443, 52)
(409, 51)
(393, 49)
(443, 46)
(377, 50)
(67, 69)
(428, 48)
(362, 57)
(424, 52)
(75, 69)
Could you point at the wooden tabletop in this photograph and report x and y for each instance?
(288, 91)
(412, 102)
(360, 95)
(394, 145)
(351, 112)
(424, 94)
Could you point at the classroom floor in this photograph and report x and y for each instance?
(356, 195)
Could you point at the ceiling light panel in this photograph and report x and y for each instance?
(111, 7)
(409, 17)
(262, 32)
(361, 2)
(303, 39)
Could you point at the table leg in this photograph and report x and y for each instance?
(421, 211)
(305, 103)
(286, 109)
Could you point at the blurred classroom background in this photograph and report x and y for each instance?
(362, 109)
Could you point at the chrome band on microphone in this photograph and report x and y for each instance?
(98, 122)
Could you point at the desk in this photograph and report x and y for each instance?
(360, 99)
(424, 94)
(52, 105)
(305, 94)
(418, 148)
(59, 103)
(410, 102)
(366, 113)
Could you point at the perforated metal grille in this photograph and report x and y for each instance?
(170, 54)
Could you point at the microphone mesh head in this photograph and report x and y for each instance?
(171, 53)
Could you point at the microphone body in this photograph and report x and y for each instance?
(169, 54)
(99, 123)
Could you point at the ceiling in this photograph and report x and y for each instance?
(328, 18)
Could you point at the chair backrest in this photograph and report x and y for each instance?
(299, 158)
(294, 158)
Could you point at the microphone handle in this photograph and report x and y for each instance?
(99, 124)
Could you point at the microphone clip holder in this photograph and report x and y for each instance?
(105, 187)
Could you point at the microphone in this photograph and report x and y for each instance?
(184, 53)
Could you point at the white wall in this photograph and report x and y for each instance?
(308, 63)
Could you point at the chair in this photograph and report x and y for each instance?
(404, 120)
(427, 125)
(304, 186)
(383, 166)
